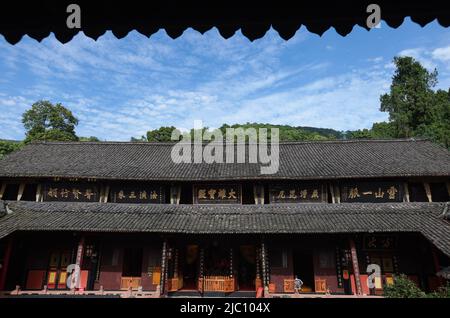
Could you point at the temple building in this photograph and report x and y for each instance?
(137, 223)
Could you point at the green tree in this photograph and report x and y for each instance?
(359, 134)
(45, 121)
(91, 138)
(162, 134)
(439, 127)
(8, 146)
(383, 130)
(411, 97)
(403, 287)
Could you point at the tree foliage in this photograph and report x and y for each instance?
(287, 133)
(91, 138)
(48, 122)
(8, 146)
(403, 287)
(415, 109)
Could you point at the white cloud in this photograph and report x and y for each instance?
(442, 53)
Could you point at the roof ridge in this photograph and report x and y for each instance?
(167, 143)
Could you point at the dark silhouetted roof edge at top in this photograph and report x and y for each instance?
(38, 19)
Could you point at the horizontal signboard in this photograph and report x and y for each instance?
(71, 192)
(137, 193)
(217, 194)
(371, 192)
(298, 192)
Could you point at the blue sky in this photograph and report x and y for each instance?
(122, 88)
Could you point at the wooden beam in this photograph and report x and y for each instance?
(20, 192)
(2, 190)
(448, 188)
(38, 192)
(428, 191)
(405, 192)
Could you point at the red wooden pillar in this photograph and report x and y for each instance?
(437, 266)
(355, 267)
(79, 259)
(5, 265)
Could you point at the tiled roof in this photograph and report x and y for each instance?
(298, 160)
(424, 218)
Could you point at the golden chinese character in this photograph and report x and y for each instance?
(231, 194)
(121, 195)
(372, 242)
(53, 192)
(88, 194)
(64, 193)
(154, 195)
(76, 194)
(281, 195)
(387, 243)
(143, 195)
(315, 194)
(292, 194)
(202, 194)
(303, 193)
(379, 193)
(353, 193)
(132, 195)
(211, 193)
(392, 191)
(222, 194)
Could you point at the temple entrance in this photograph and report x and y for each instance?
(218, 274)
(246, 267)
(57, 271)
(304, 269)
(132, 268)
(190, 257)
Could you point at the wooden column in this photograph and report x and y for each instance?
(448, 188)
(231, 262)
(436, 264)
(355, 267)
(79, 259)
(333, 199)
(175, 263)
(162, 289)
(39, 193)
(104, 192)
(175, 194)
(428, 191)
(20, 192)
(338, 194)
(258, 193)
(2, 190)
(406, 192)
(5, 265)
(264, 264)
(201, 270)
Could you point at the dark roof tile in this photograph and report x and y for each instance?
(424, 218)
(299, 160)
